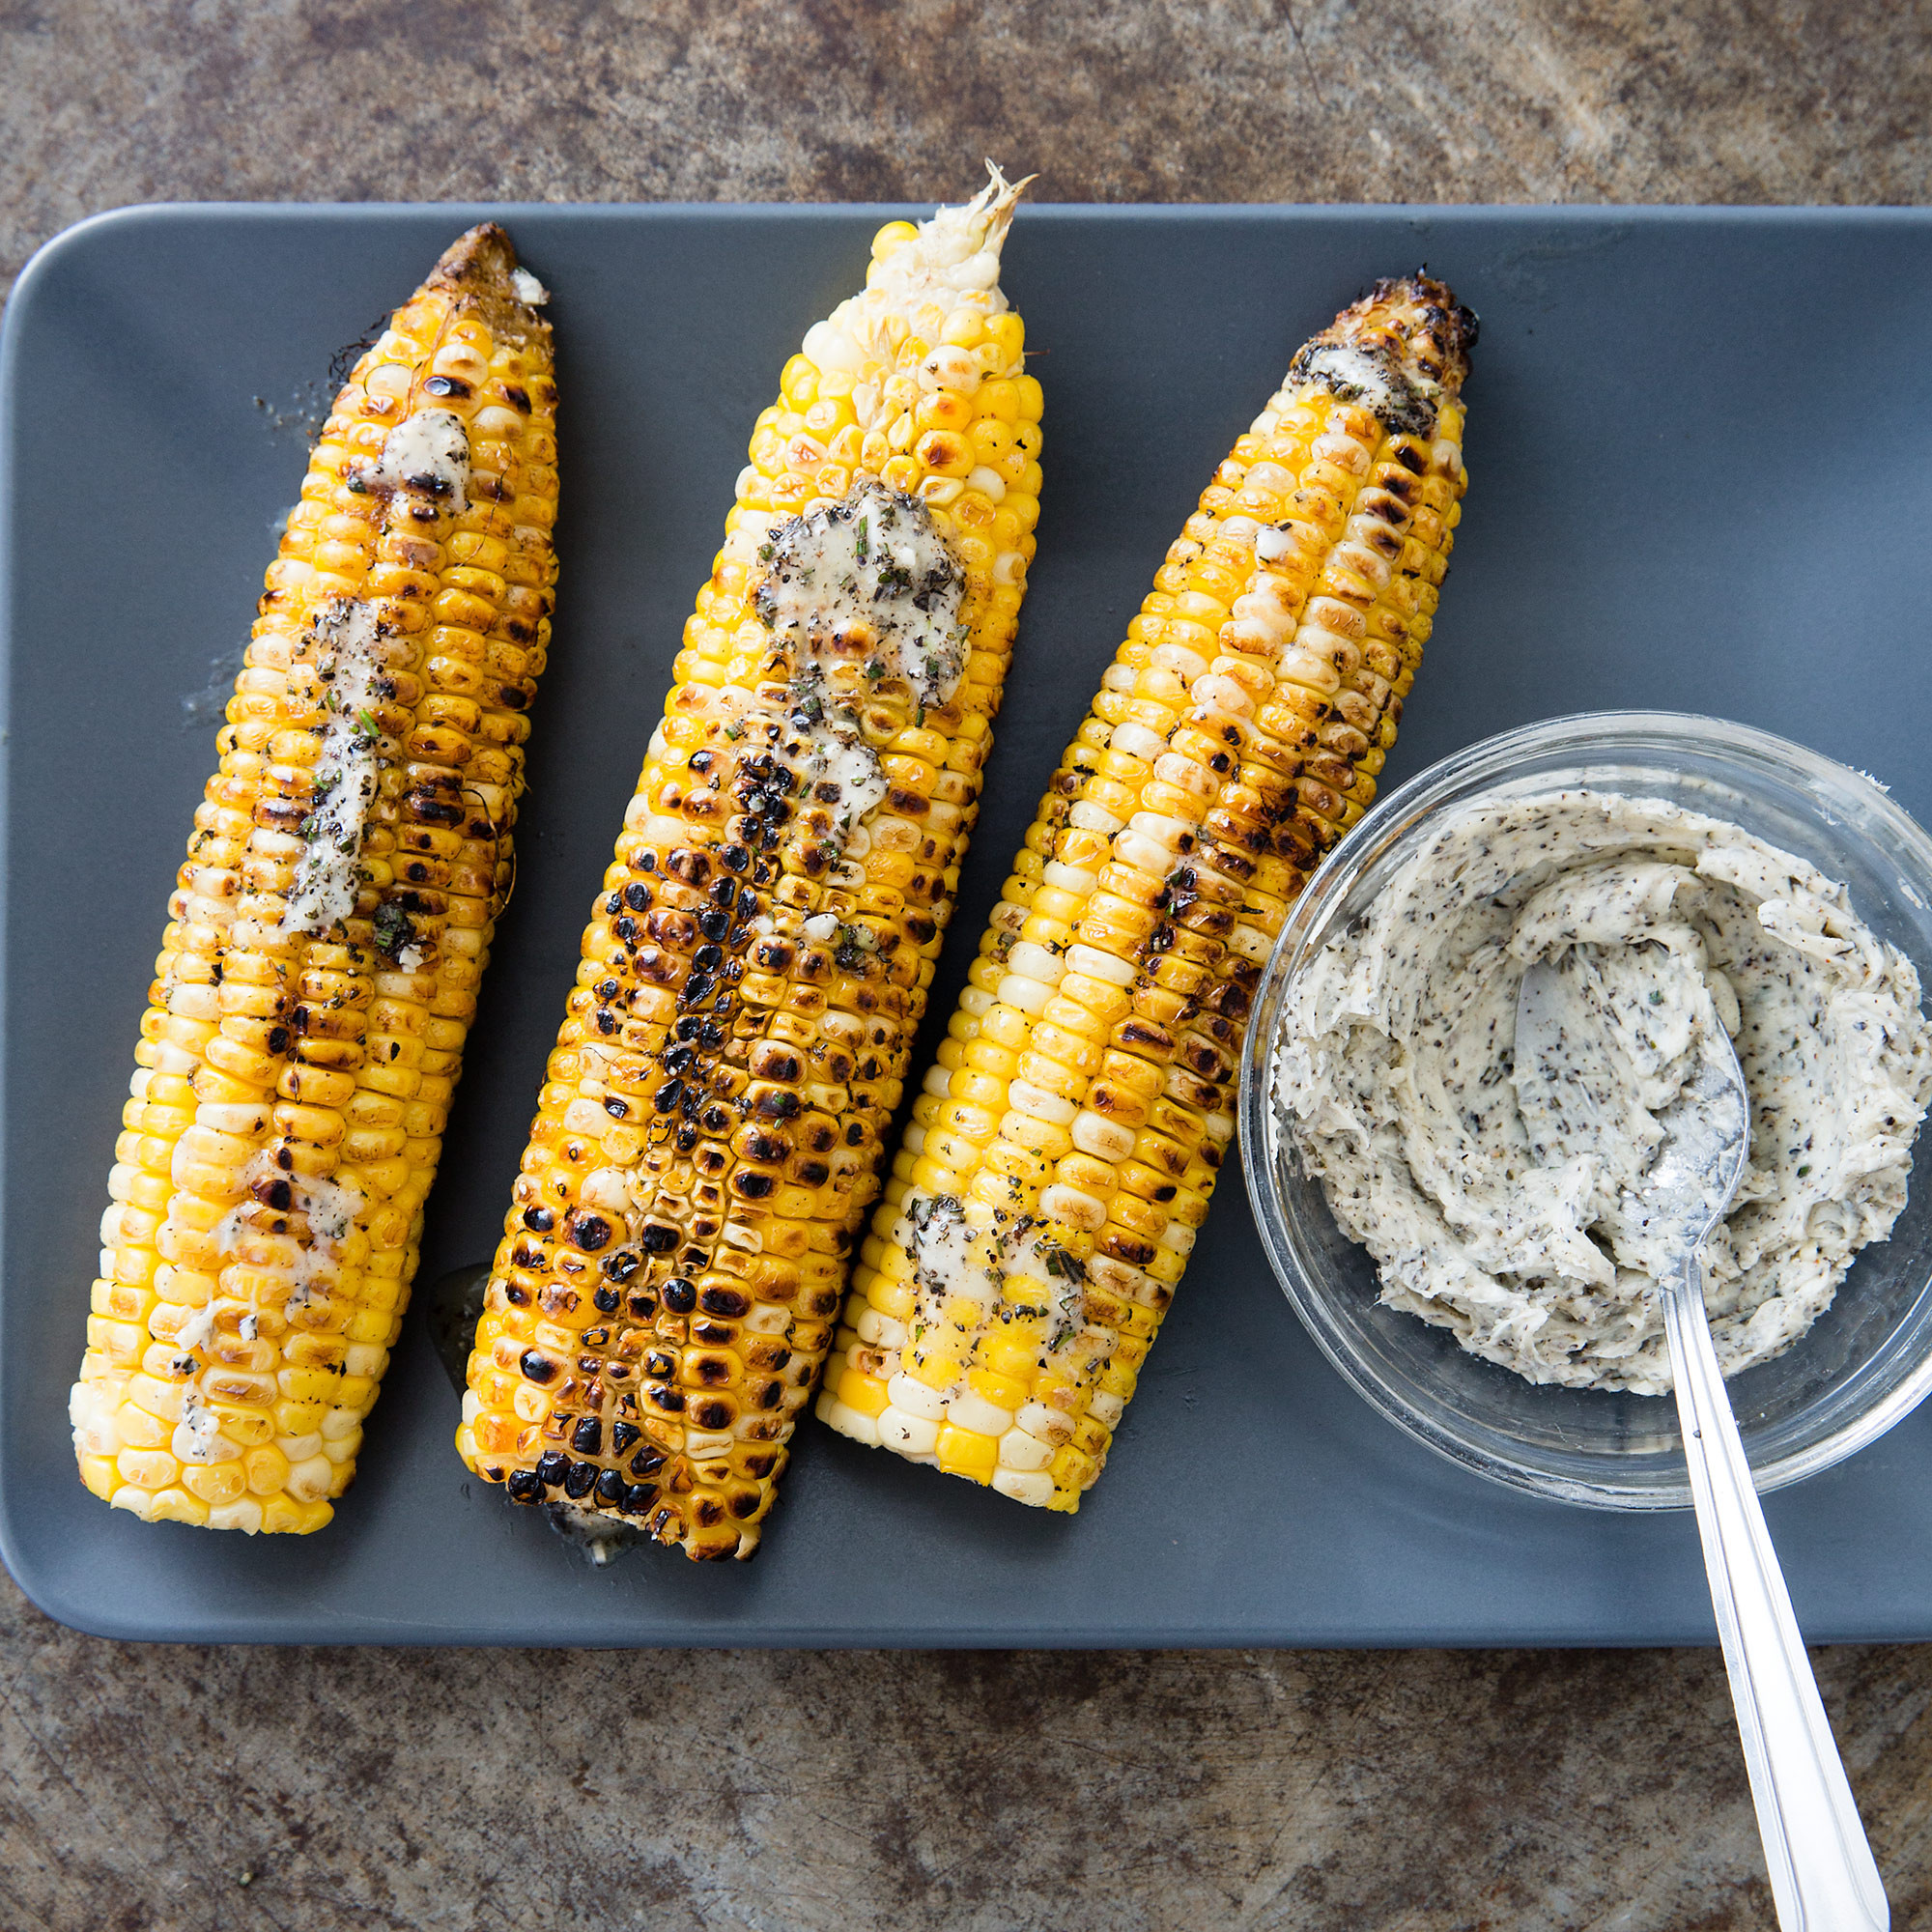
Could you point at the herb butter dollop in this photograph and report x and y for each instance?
(1394, 1069)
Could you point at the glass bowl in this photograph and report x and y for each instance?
(1865, 1362)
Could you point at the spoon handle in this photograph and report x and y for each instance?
(1823, 1876)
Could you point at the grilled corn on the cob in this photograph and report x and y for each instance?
(1063, 1150)
(757, 960)
(310, 1006)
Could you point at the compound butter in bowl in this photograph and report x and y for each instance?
(1490, 1289)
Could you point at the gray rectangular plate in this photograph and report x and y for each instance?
(1690, 445)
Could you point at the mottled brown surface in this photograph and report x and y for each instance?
(1403, 1793)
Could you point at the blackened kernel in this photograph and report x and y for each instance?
(638, 1497)
(668, 1096)
(541, 1219)
(648, 1460)
(607, 1300)
(620, 1267)
(537, 1368)
(728, 1303)
(679, 1296)
(588, 1437)
(578, 1483)
(589, 1231)
(622, 1436)
(525, 1486)
(552, 1466)
(658, 1239)
(611, 1487)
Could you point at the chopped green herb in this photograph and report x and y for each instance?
(393, 930)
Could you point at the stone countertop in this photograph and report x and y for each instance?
(311, 1790)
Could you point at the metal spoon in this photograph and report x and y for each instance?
(1823, 1876)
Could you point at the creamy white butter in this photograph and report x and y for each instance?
(428, 451)
(330, 1208)
(328, 875)
(1395, 1066)
(954, 1258)
(868, 586)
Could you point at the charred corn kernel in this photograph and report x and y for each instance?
(1236, 736)
(328, 926)
(709, 1132)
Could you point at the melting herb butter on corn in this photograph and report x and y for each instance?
(1063, 1151)
(709, 1135)
(318, 975)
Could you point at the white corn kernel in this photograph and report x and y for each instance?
(1177, 834)
(1102, 1138)
(1137, 741)
(1106, 1407)
(1038, 1104)
(950, 368)
(1043, 1424)
(1062, 879)
(912, 1397)
(1074, 1206)
(910, 1435)
(1020, 1451)
(1017, 990)
(1134, 848)
(1024, 1487)
(989, 483)
(1087, 816)
(308, 1481)
(1036, 963)
(1178, 659)
(968, 1409)
(1098, 965)
(880, 1331)
(849, 1421)
(244, 1515)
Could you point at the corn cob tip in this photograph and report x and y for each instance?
(481, 263)
(995, 202)
(1402, 351)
